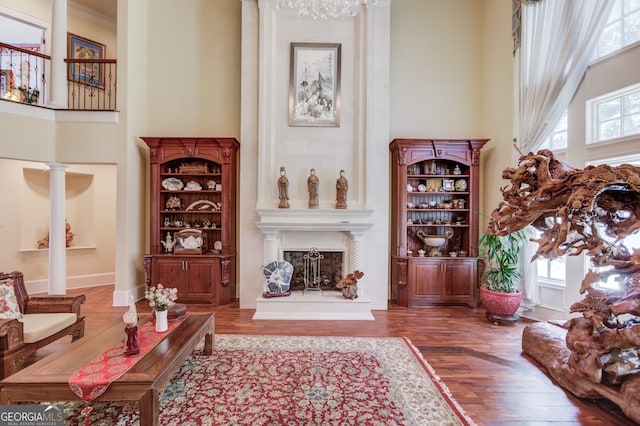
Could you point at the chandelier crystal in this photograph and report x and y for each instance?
(324, 8)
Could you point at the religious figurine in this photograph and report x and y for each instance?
(283, 189)
(312, 186)
(130, 318)
(342, 185)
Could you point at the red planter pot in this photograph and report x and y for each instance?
(501, 304)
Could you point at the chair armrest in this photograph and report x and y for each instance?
(52, 304)
(11, 334)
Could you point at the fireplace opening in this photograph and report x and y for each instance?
(315, 270)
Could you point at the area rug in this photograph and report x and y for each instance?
(284, 380)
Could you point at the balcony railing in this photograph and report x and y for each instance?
(91, 83)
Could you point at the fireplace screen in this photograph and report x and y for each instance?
(321, 275)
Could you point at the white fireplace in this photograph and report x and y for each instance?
(359, 146)
(325, 230)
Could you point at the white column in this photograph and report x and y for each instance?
(57, 229)
(270, 246)
(356, 256)
(58, 80)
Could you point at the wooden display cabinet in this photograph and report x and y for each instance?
(434, 221)
(192, 220)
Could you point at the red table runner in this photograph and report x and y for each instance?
(93, 379)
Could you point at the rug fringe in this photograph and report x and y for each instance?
(439, 383)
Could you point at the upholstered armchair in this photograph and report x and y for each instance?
(30, 323)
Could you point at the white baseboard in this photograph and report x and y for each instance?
(78, 281)
(120, 297)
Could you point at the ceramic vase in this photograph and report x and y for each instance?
(162, 323)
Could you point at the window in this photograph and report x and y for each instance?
(615, 115)
(557, 140)
(623, 28)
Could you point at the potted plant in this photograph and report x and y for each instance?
(499, 291)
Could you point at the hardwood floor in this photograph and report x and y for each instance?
(481, 363)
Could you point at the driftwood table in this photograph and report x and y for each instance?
(592, 211)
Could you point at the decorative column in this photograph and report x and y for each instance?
(58, 81)
(270, 246)
(57, 230)
(356, 256)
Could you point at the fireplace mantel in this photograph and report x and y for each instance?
(313, 220)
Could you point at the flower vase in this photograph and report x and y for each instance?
(162, 322)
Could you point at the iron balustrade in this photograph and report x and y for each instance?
(91, 83)
(23, 74)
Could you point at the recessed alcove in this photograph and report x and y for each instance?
(35, 208)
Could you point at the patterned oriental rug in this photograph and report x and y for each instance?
(283, 380)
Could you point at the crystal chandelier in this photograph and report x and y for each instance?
(324, 8)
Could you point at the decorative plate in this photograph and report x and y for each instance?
(278, 276)
(422, 188)
(172, 184)
(193, 186)
(217, 245)
(461, 185)
(200, 205)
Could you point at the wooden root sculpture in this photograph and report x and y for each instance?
(591, 210)
(349, 285)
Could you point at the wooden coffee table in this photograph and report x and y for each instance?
(48, 379)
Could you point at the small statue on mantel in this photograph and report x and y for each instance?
(342, 185)
(312, 187)
(283, 189)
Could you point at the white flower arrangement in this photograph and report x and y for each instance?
(161, 298)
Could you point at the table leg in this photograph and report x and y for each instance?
(150, 408)
(208, 344)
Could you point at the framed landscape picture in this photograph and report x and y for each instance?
(314, 84)
(85, 71)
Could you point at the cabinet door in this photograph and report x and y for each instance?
(203, 276)
(425, 279)
(459, 280)
(170, 273)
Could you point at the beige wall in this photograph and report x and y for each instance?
(194, 68)
(451, 77)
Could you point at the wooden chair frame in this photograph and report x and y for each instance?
(14, 352)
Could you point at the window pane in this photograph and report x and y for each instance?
(632, 28)
(557, 269)
(615, 11)
(559, 140)
(631, 5)
(609, 130)
(632, 124)
(610, 41)
(541, 265)
(608, 110)
(631, 103)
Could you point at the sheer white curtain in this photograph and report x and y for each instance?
(558, 38)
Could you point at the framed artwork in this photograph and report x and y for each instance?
(314, 84)
(90, 73)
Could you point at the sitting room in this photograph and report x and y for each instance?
(321, 196)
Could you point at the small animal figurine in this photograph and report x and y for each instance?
(349, 285)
